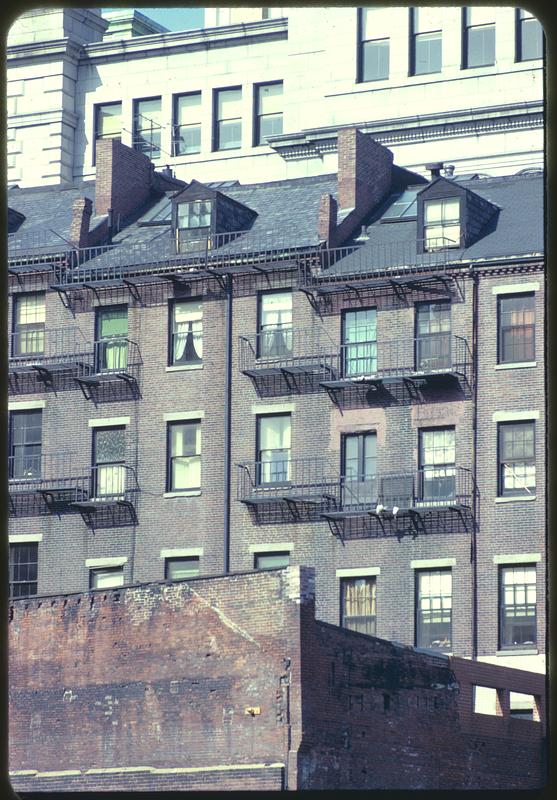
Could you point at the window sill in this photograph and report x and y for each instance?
(184, 367)
(526, 499)
(510, 652)
(517, 365)
(184, 493)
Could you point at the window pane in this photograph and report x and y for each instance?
(151, 109)
(23, 569)
(270, 560)
(358, 604)
(229, 135)
(185, 439)
(375, 60)
(426, 19)
(110, 445)
(188, 109)
(434, 611)
(270, 125)
(229, 104)
(112, 322)
(427, 53)
(274, 433)
(481, 46)
(376, 23)
(109, 120)
(531, 40)
(179, 568)
(518, 606)
(269, 99)
(107, 578)
(480, 15)
(30, 309)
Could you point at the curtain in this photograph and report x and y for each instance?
(185, 444)
(111, 480)
(360, 342)
(274, 449)
(188, 333)
(276, 324)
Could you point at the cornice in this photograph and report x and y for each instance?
(68, 49)
(43, 118)
(154, 44)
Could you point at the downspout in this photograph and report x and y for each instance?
(475, 503)
(227, 423)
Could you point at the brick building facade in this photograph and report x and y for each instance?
(185, 686)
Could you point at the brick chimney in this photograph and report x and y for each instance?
(82, 211)
(327, 218)
(124, 179)
(364, 179)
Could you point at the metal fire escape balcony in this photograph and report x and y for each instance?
(433, 361)
(114, 371)
(285, 360)
(53, 357)
(111, 497)
(45, 484)
(432, 499)
(384, 268)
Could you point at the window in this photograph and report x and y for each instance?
(433, 336)
(517, 606)
(275, 324)
(437, 464)
(516, 316)
(187, 124)
(359, 342)
(425, 41)
(357, 604)
(359, 469)
(109, 458)
(111, 339)
(273, 449)
(184, 456)
(479, 36)
(373, 54)
(517, 459)
(186, 338)
(106, 577)
(108, 122)
(268, 111)
(28, 324)
(434, 609)
(178, 569)
(147, 127)
(227, 132)
(195, 214)
(442, 223)
(25, 445)
(522, 705)
(24, 560)
(529, 36)
(271, 560)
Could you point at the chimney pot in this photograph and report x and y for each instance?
(448, 171)
(435, 169)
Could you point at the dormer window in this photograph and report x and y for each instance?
(196, 214)
(441, 223)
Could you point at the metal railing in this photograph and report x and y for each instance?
(284, 347)
(315, 480)
(115, 355)
(49, 346)
(44, 470)
(113, 483)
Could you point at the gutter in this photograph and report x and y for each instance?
(227, 423)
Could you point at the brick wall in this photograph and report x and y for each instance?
(147, 688)
(123, 181)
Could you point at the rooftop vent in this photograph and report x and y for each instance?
(435, 169)
(448, 171)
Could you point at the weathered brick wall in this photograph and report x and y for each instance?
(148, 687)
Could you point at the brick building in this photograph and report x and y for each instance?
(184, 686)
(341, 371)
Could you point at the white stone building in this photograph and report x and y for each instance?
(259, 94)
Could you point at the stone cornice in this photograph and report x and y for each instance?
(200, 39)
(314, 142)
(68, 49)
(43, 118)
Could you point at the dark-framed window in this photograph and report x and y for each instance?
(25, 444)
(274, 323)
(24, 561)
(478, 36)
(433, 336)
(359, 468)
(358, 610)
(186, 332)
(109, 459)
(183, 472)
(273, 560)
(437, 464)
(516, 316)
(373, 45)
(517, 458)
(434, 609)
(194, 214)
(359, 342)
(28, 324)
(106, 577)
(147, 126)
(179, 568)
(111, 338)
(442, 226)
(425, 41)
(186, 139)
(227, 118)
(107, 123)
(268, 111)
(273, 448)
(529, 36)
(517, 606)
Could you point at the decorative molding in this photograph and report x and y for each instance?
(115, 561)
(176, 416)
(432, 563)
(108, 422)
(25, 405)
(514, 288)
(181, 552)
(510, 416)
(276, 408)
(276, 547)
(358, 572)
(15, 538)
(518, 558)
